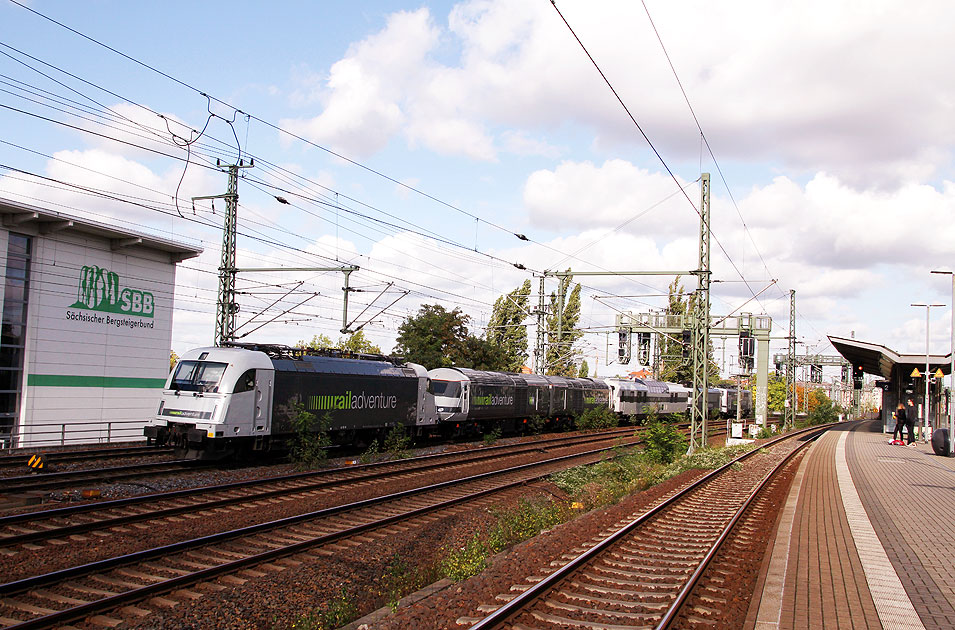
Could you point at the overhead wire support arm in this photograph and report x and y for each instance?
(285, 312)
(252, 319)
(347, 270)
(561, 274)
(371, 319)
(347, 328)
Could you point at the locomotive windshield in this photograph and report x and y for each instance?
(198, 376)
(449, 389)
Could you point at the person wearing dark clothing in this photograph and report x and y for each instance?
(899, 416)
(910, 422)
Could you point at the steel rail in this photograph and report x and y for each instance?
(90, 475)
(670, 616)
(59, 457)
(522, 601)
(66, 530)
(114, 601)
(485, 453)
(26, 584)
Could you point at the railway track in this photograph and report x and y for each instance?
(73, 478)
(62, 457)
(60, 523)
(643, 572)
(11, 485)
(187, 567)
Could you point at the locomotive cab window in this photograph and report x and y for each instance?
(449, 389)
(246, 382)
(198, 376)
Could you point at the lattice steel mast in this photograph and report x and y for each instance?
(226, 306)
(790, 412)
(701, 324)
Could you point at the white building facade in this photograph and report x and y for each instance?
(86, 327)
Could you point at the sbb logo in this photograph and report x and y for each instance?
(98, 290)
(135, 302)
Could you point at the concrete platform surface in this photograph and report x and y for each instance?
(866, 540)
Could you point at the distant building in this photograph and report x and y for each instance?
(86, 327)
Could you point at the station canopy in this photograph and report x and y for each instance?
(881, 361)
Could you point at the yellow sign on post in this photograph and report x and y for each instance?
(938, 373)
(915, 373)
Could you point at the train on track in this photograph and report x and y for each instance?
(223, 401)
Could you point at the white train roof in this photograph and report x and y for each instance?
(241, 359)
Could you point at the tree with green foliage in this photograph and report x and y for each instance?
(674, 368)
(357, 342)
(596, 418)
(397, 442)
(436, 337)
(562, 332)
(506, 327)
(664, 443)
(776, 394)
(318, 342)
(309, 449)
(584, 371)
(481, 354)
(821, 408)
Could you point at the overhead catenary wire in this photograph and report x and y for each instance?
(249, 117)
(271, 125)
(188, 146)
(209, 224)
(705, 140)
(645, 137)
(519, 236)
(262, 239)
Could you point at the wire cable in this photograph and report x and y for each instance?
(646, 138)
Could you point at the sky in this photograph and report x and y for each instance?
(424, 142)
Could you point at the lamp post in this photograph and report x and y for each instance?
(951, 372)
(925, 414)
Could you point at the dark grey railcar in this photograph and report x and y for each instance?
(355, 394)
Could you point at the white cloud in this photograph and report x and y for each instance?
(581, 194)
(829, 223)
(80, 174)
(363, 96)
(450, 136)
(521, 143)
(819, 87)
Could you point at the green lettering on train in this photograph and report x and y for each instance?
(350, 401)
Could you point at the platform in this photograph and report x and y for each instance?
(866, 539)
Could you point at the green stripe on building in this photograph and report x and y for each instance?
(69, 380)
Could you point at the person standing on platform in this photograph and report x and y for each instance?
(899, 416)
(910, 422)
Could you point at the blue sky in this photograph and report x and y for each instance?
(830, 122)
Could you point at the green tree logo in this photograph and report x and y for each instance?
(98, 290)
